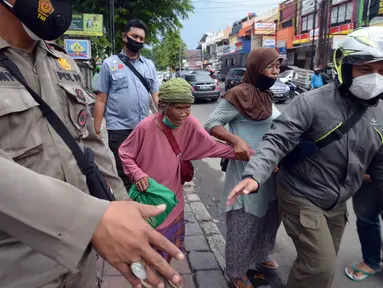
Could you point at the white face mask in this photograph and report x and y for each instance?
(367, 86)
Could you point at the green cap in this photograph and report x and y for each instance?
(176, 90)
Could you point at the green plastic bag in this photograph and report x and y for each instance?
(155, 195)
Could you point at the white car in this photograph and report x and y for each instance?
(286, 76)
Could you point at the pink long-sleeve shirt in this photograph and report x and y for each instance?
(147, 153)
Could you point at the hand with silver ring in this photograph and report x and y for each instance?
(125, 240)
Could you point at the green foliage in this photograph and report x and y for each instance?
(161, 16)
(167, 52)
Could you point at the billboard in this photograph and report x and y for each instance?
(264, 28)
(78, 48)
(86, 25)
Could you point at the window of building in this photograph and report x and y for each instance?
(307, 22)
(287, 24)
(341, 14)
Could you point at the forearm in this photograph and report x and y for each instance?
(99, 110)
(155, 97)
(221, 133)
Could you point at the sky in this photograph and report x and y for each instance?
(212, 15)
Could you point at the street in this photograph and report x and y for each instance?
(209, 182)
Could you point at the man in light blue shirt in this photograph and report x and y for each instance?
(316, 79)
(121, 95)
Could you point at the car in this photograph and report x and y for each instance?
(286, 76)
(234, 77)
(281, 91)
(204, 87)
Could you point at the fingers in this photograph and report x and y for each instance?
(158, 240)
(149, 210)
(139, 186)
(245, 187)
(127, 273)
(145, 183)
(160, 264)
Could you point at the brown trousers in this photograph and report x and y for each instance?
(316, 234)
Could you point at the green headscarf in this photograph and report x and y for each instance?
(176, 90)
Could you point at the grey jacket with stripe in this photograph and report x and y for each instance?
(333, 174)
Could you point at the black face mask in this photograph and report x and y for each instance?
(265, 83)
(133, 45)
(46, 19)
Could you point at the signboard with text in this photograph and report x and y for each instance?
(78, 48)
(264, 28)
(86, 25)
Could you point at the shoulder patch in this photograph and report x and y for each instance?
(54, 46)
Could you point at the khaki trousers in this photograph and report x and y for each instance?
(316, 234)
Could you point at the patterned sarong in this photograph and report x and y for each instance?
(175, 232)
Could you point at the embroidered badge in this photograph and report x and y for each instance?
(81, 118)
(45, 9)
(120, 66)
(113, 68)
(80, 95)
(64, 64)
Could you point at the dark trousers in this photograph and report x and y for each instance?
(367, 207)
(115, 139)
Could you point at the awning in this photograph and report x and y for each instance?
(245, 32)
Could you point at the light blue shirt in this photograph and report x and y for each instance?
(316, 81)
(128, 100)
(250, 131)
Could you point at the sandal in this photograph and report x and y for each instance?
(356, 270)
(242, 282)
(270, 264)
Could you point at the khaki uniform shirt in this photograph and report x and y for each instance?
(46, 219)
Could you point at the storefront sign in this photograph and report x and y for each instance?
(78, 48)
(264, 28)
(268, 42)
(307, 37)
(86, 25)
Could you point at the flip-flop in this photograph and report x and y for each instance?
(356, 270)
(269, 267)
(243, 282)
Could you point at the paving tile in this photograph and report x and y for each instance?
(202, 261)
(109, 270)
(196, 243)
(189, 218)
(115, 282)
(193, 229)
(193, 198)
(188, 208)
(208, 279)
(182, 266)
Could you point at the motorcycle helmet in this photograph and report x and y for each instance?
(363, 45)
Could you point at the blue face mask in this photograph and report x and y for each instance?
(168, 123)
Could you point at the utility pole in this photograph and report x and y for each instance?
(180, 58)
(313, 42)
(112, 26)
(327, 39)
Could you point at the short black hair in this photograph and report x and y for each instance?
(136, 24)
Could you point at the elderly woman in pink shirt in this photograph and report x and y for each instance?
(148, 153)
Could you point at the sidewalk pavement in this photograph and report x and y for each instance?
(205, 262)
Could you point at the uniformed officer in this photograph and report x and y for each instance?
(46, 220)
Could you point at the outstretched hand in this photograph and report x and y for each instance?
(245, 187)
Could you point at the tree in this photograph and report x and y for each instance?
(161, 16)
(169, 51)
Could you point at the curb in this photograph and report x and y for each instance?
(209, 229)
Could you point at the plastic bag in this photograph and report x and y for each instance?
(155, 195)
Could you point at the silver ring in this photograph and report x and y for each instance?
(138, 270)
